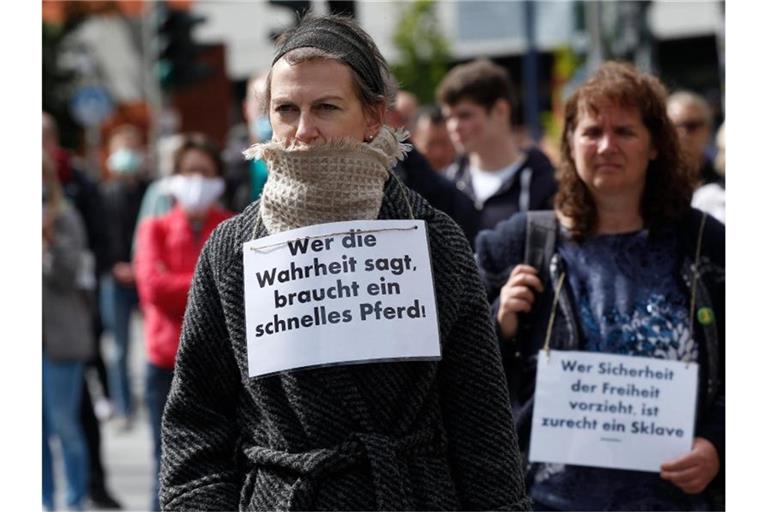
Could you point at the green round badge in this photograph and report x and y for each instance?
(705, 316)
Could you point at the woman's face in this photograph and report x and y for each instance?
(612, 149)
(194, 161)
(315, 101)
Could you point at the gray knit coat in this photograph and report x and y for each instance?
(377, 436)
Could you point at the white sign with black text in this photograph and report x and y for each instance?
(339, 293)
(612, 411)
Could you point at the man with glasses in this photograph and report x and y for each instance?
(692, 116)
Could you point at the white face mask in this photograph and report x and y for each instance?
(195, 193)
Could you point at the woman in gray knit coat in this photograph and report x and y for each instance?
(417, 435)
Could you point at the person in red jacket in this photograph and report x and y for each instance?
(166, 252)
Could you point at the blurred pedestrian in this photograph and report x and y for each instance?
(67, 341)
(82, 192)
(403, 112)
(246, 178)
(622, 266)
(710, 197)
(387, 436)
(495, 171)
(157, 200)
(416, 172)
(121, 194)
(166, 251)
(430, 136)
(692, 116)
(79, 189)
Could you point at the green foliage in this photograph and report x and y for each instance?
(423, 50)
(552, 124)
(566, 62)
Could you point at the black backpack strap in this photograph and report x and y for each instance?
(524, 200)
(540, 240)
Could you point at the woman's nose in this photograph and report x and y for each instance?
(606, 143)
(306, 131)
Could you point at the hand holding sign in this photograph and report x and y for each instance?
(517, 297)
(693, 471)
(615, 411)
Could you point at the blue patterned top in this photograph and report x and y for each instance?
(630, 300)
(629, 295)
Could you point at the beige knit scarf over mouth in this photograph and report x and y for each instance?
(334, 180)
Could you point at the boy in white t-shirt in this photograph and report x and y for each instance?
(496, 171)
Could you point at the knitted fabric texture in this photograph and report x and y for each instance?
(330, 181)
(420, 435)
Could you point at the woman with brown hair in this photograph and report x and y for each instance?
(621, 264)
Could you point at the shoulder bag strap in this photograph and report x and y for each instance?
(540, 240)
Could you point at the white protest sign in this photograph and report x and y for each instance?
(612, 411)
(337, 293)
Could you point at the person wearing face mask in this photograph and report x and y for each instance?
(166, 251)
(246, 178)
(121, 195)
(397, 435)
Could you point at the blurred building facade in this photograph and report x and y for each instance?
(474, 27)
(682, 42)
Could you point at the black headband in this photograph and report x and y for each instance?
(335, 40)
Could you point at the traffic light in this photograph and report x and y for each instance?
(346, 8)
(177, 55)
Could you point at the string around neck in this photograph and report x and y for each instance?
(401, 188)
(552, 314)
